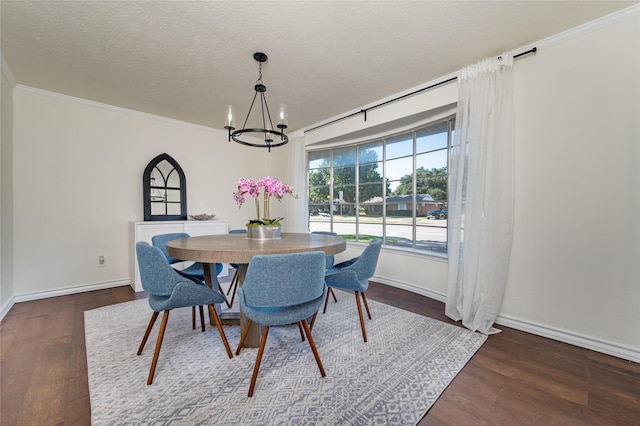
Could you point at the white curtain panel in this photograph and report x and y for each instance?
(481, 194)
(297, 211)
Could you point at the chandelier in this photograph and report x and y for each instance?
(267, 132)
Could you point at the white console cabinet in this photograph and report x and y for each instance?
(143, 231)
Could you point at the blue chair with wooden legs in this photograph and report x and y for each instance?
(330, 261)
(233, 287)
(282, 289)
(330, 258)
(333, 269)
(355, 277)
(169, 290)
(196, 269)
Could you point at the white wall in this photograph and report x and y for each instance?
(575, 262)
(78, 185)
(575, 267)
(6, 189)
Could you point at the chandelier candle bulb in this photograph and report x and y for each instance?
(229, 117)
(283, 114)
(229, 121)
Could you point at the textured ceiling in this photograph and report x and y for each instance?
(188, 60)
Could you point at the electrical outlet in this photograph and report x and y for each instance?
(102, 262)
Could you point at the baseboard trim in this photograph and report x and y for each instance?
(25, 297)
(574, 339)
(412, 288)
(586, 342)
(7, 306)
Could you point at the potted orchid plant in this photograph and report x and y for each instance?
(265, 188)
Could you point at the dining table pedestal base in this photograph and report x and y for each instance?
(233, 316)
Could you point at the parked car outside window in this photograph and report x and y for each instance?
(437, 214)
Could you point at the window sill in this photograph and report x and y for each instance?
(430, 255)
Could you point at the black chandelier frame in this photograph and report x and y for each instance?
(267, 131)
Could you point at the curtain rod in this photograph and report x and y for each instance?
(364, 110)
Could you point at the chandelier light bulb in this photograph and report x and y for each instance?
(283, 114)
(229, 121)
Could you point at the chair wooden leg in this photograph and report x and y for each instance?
(156, 354)
(243, 336)
(193, 317)
(256, 367)
(366, 305)
(313, 320)
(313, 347)
(233, 280)
(329, 292)
(324, 311)
(364, 331)
(233, 287)
(152, 321)
(333, 294)
(223, 336)
(301, 331)
(221, 290)
(233, 292)
(201, 317)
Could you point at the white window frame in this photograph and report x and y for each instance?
(440, 251)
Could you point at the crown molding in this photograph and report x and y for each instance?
(605, 21)
(7, 71)
(108, 107)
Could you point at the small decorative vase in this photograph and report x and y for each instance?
(264, 232)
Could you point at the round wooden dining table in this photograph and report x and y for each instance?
(237, 248)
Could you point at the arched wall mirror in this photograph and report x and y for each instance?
(164, 190)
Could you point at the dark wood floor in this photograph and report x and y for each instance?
(514, 379)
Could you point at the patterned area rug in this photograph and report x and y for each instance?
(391, 380)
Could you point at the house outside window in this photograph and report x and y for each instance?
(392, 188)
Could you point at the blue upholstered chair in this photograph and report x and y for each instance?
(169, 290)
(282, 289)
(196, 269)
(233, 286)
(354, 276)
(330, 261)
(330, 258)
(335, 268)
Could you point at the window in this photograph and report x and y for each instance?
(394, 188)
